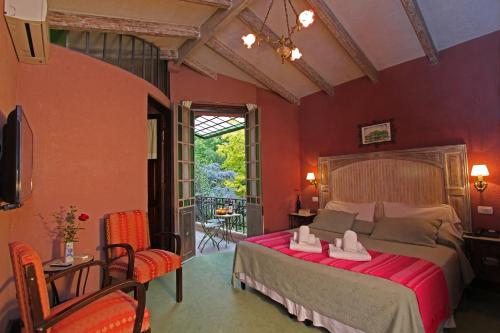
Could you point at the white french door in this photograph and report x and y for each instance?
(255, 218)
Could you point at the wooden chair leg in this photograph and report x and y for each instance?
(178, 283)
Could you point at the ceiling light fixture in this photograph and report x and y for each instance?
(285, 48)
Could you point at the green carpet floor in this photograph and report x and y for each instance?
(211, 305)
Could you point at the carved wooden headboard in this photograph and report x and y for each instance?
(422, 176)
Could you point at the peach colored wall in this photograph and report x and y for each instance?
(279, 135)
(8, 83)
(186, 84)
(90, 147)
(8, 68)
(456, 101)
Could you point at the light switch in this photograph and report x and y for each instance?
(315, 199)
(487, 210)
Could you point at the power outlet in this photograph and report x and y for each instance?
(315, 199)
(486, 210)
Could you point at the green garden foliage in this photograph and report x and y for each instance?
(220, 165)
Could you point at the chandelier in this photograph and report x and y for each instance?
(285, 47)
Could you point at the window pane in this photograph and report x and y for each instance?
(126, 55)
(96, 43)
(179, 133)
(162, 74)
(185, 152)
(111, 48)
(138, 64)
(185, 116)
(77, 41)
(58, 37)
(147, 60)
(155, 66)
(185, 190)
(185, 171)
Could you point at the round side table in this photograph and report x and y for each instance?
(50, 268)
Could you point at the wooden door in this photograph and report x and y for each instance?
(160, 182)
(255, 211)
(185, 196)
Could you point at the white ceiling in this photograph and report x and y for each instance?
(380, 27)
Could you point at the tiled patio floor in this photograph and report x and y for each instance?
(210, 248)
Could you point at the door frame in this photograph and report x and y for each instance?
(242, 110)
(166, 182)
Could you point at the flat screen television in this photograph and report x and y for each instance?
(16, 163)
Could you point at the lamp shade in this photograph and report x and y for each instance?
(310, 176)
(479, 170)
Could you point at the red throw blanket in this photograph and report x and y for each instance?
(423, 277)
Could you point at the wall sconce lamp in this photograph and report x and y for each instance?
(312, 179)
(480, 171)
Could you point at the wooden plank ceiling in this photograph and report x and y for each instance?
(349, 39)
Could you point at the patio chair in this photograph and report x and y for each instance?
(106, 310)
(129, 253)
(211, 229)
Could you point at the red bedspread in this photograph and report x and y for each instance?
(423, 277)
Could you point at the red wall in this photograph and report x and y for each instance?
(456, 101)
(90, 149)
(279, 135)
(280, 158)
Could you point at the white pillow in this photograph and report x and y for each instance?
(365, 211)
(443, 212)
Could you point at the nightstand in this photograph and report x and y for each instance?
(295, 220)
(484, 254)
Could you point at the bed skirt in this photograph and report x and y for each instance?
(316, 318)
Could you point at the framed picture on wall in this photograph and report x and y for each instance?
(376, 132)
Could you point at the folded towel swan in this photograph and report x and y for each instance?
(349, 248)
(360, 255)
(350, 241)
(305, 241)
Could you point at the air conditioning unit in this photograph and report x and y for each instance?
(29, 29)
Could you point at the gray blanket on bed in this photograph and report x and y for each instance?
(367, 303)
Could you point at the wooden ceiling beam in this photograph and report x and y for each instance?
(255, 23)
(344, 38)
(169, 54)
(418, 23)
(240, 62)
(208, 29)
(213, 3)
(78, 21)
(200, 68)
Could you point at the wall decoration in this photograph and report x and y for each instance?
(376, 132)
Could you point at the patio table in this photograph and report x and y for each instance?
(226, 225)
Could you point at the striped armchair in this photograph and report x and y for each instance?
(129, 253)
(107, 310)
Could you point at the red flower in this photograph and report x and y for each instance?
(83, 217)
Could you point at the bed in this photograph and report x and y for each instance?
(346, 301)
